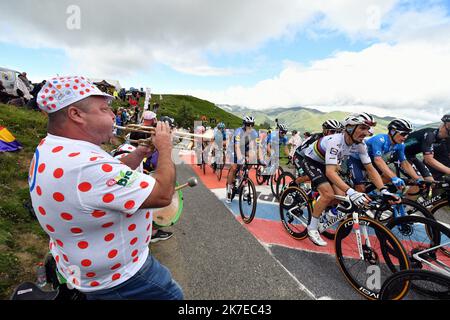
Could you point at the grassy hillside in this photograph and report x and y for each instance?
(22, 241)
(173, 105)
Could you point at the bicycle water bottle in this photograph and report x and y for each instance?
(41, 275)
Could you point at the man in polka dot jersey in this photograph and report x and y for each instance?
(97, 209)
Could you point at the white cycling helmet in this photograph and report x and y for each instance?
(282, 127)
(400, 125)
(332, 124)
(361, 118)
(248, 120)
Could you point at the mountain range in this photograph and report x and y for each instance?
(299, 118)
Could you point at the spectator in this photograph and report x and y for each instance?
(155, 107)
(124, 117)
(115, 94)
(122, 94)
(36, 88)
(119, 121)
(295, 141)
(23, 77)
(4, 96)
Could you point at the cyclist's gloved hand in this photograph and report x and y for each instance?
(399, 183)
(385, 193)
(421, 183)
(358, 198)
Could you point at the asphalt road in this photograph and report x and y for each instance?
(213, 257)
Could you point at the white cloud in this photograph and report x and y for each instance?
(408, 68)
(121, 37)
(398, 78)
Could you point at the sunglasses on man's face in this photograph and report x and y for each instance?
(403, 134)
(249, 125)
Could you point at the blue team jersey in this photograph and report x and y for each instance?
(277, 139)
(380, 145)
(219, 135)
(242, 139)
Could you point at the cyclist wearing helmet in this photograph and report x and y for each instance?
(382, 147)
(321, 162)
(423, 141)
(219, 143)
(272, 145)
(330, 126)
(277, 138)
(245, 139)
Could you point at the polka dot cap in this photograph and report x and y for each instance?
(60, 92)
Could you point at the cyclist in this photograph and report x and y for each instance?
(321, 162)
(329, 127)
(219, 143)
(274, 141)
(423, 141)
(245, 139)
(200, 145)
(441, 154)
(382, 147)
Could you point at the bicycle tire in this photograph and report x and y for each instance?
(273, 180)
(219, 171)
(281, 183)
(440, 205)
(392, 262)
(259, 177)
(397, 280)
(252, 193)
(415, 208)
(291, 198)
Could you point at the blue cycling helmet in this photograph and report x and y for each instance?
(221, 125)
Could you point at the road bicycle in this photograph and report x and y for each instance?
(245, 188)
(361, 242)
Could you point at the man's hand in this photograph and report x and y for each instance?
(399, 183)
(358, 198)
(393, 198)
(162, 139)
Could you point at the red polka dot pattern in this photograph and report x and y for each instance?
(107, 168)
(58, 197)
(84, 186)
(66, 216)
(107, 198)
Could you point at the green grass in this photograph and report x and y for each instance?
(29, 127)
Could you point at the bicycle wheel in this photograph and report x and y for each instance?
(295, 212)
(283, 182)
(418, 234)
(441, 212)
(437, 284)
(274, 179)
(383, 255)
(219, 170)
(247, 200)
(406, 207)
(260, 178)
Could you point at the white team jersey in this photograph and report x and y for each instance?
(332, 149)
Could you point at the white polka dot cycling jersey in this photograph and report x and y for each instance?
(332, 150)
(88, 202)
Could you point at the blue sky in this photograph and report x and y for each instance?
(259, 54)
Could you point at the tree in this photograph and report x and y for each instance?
(265, 125)
(185, 118)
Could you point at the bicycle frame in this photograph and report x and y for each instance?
(445, 270)
(342, 215)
